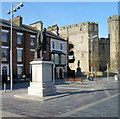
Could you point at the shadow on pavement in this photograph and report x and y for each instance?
(17, 85)
(89, 91)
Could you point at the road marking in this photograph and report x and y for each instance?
(107, 93)
(85, 107)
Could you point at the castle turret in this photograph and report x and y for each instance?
(114, 35)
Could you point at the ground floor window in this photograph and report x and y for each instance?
(32, 53)
(63, 59)
(56, 60)
(19, 71)
(59, 72)
(59, 58)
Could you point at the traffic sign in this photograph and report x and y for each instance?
(91, 64)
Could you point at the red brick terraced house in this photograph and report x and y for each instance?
(24, 44)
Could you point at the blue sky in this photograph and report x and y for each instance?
(65, 13)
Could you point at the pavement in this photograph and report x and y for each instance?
(97, 98)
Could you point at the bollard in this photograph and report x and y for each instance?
(4, 87)
(116, 78)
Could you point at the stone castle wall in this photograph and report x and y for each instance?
(114, 34)
(0, 56)
(79, 35)
(104, 53)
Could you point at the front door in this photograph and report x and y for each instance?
(4, 74)
(60, 73)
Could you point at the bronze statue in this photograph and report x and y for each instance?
(41, 45)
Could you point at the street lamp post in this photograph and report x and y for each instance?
(91, 38)
(11, 14)
(91, 56)
(107, 71)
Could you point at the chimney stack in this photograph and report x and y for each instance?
(38, 25)
(54, 29)
(17, 20)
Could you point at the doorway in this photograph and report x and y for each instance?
(60, 73)
(4, 74)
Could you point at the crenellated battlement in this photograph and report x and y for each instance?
(51, 28)
(74, 28)
(77, 25)
(114, 17)
(55, 27)
(104, 39)
(74, 25)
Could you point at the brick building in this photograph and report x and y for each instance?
(24, 44)
(24, 41)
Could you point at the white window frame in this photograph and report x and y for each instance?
(5, 47)
(5, 31)
(60, 46)
(53, 41)
(32, 50)
(18, 33)
(32, 36)
(19, 65)
(56, 58)
(17, 54)
(19, 48)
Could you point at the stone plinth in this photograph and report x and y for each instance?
(42, 76)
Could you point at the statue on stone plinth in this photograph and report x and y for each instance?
(41, 85)
(79, 73)
(41, 45)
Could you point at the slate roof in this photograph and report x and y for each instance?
(52, 35)
(5, 23)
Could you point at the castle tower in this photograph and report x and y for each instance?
(80, 35)
(104, 53)
(114, 35)
(0, 56)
